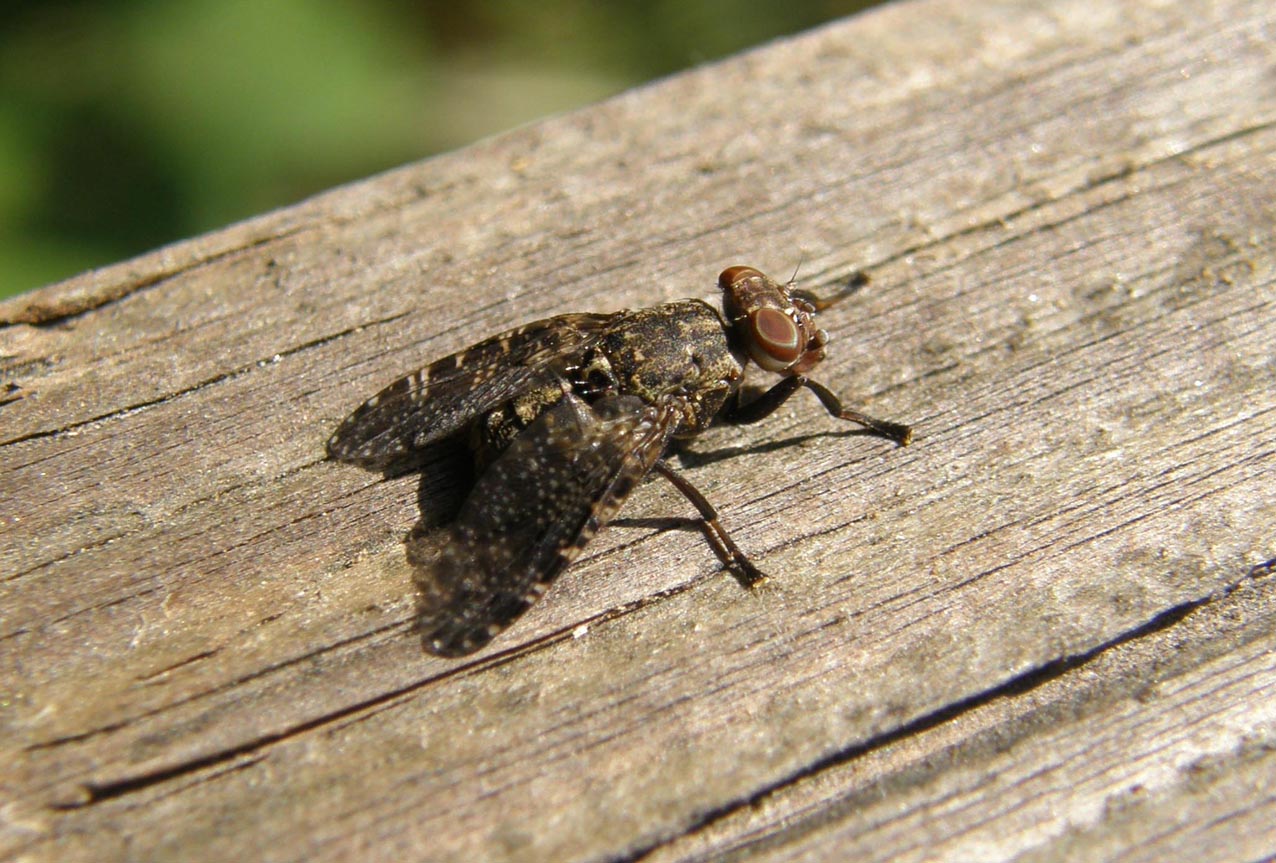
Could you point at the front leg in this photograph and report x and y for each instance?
(764, 405)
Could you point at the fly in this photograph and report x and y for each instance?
(566, 415)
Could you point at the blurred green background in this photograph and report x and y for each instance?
(126, 124)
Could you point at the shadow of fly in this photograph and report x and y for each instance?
(565, 416)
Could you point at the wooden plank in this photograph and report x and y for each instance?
(1066, 212)
(1153, 747)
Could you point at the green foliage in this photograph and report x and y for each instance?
(125, 124)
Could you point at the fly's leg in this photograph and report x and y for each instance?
(723, 545)
(767, 403)
(897, 432)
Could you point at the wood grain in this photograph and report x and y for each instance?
(1043, 631)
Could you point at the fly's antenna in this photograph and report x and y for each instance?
(793, 278)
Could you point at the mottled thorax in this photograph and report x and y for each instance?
(677, 350)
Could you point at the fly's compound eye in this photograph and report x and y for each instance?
(777, 338)
(775, 327)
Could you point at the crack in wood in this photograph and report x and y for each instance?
(97, 792)
(45, 314)
(238, 371)
(182, 663)
(228, 685)
(1017, 686)
(102, 542)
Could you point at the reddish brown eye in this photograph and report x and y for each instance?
(778, 337)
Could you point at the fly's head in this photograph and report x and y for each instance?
(773, 322)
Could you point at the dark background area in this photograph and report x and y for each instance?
(126, 124)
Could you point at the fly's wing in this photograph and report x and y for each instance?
(435, 401)
(532, 512)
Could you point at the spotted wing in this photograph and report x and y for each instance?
(436, 401)
(532, 512)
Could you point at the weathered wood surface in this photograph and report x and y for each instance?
(1043, 631)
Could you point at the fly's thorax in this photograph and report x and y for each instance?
(677, 351)
(774, 325)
